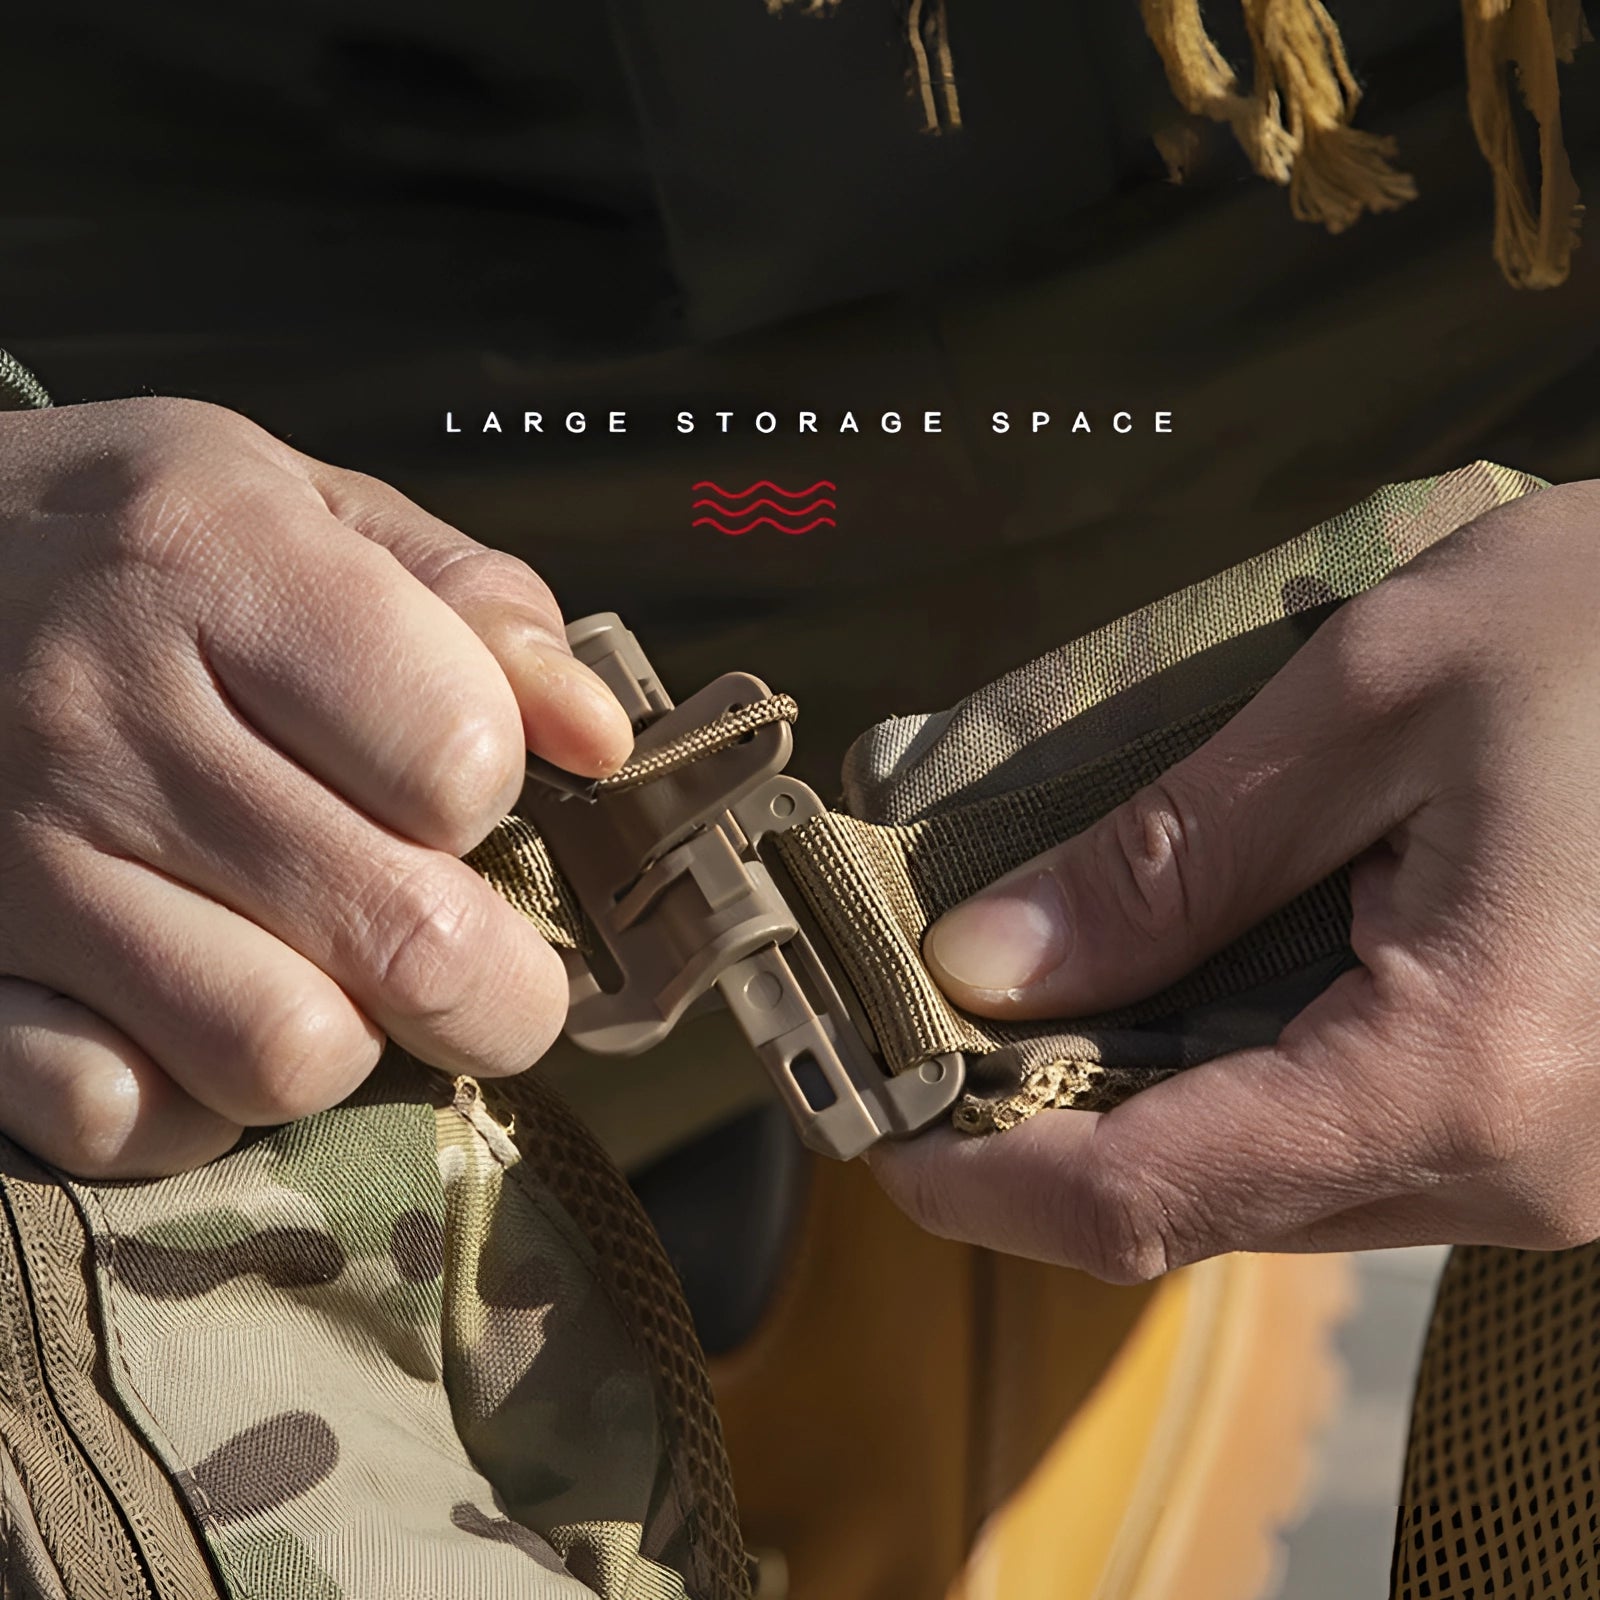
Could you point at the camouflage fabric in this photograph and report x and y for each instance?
(366, 1356)
(936, 807)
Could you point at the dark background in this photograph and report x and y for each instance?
(345, 219)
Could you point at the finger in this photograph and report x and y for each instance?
(349, 665)
(1315, 768)
(421, 944)
(83, 1097)
(241, 1023)
(569, 716)
(1232, 1155)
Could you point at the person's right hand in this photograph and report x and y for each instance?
(252, 710)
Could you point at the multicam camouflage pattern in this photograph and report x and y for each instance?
(377, 1359)
(1162, 664)
(936, 807)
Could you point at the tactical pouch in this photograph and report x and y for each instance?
(423, 1344)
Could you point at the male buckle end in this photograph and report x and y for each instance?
(678, 902)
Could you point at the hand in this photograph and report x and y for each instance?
(252, 709)
(1441, 731)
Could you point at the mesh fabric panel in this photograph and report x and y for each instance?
(1501, 1471)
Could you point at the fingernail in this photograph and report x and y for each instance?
(1003, 940)
(584, 702)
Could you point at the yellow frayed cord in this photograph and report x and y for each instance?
(1533, 241)
(1295, 122)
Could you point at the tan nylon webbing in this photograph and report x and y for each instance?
(877, 889)
(515, 861)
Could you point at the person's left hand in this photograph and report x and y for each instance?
(1441, 731)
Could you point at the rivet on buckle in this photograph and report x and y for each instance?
(679, 901)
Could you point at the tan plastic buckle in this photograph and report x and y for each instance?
(679, 902)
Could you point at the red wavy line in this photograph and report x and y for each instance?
(766, 483)
(755, 505)
(711, 522)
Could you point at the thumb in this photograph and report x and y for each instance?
(1303, 779)
(569, 716)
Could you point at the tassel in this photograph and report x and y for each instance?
(1527, 37)
(1339, 172)
(944, 66)
(1294, 125)
(922, 76)
(933, 77)
(1569, 26)
(1205, 85)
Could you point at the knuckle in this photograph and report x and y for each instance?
(1375, 673)
(482, 573)
(1546, 1201)
(193, 472)
(1126, 1233)
(168, 413)
(95, 1114)
(181, 433)
(1567, 1220)
(1485, 1127)
(93, 1100)
(355, 485)
(421, 942)
(302, 1054)
(472, 775)
(168, 517)
(57, 707)
(1150, 851)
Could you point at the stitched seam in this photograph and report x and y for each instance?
(53, 1433)
(103, 1246)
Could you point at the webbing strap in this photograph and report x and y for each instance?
(515, 860)
(875, 890)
